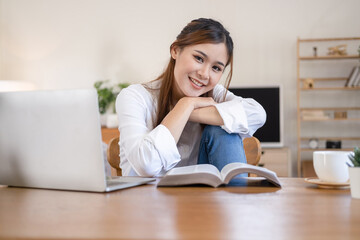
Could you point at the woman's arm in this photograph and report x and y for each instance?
(240, 115)
(207, 115)
(144, 150)
(235, 114)
(190, 108)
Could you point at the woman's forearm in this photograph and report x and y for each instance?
(196, 109)
(206, 115)
(177, 118)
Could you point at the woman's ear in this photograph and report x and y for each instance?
(174, 52)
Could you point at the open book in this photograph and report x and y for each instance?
(209, 175)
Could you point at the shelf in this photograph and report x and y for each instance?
(331, 109)
(325, 79)
(330, 88)
(319, 66)
(325, 149)
(328, 39)
(334, 57)
(331, 120)
(331, 138)
(108, 134)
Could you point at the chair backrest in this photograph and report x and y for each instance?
(251, 145)
(113, 155)
(252, 148)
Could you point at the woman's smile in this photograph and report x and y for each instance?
(197, 83)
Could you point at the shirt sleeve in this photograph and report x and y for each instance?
(240, 115)
(149, 151)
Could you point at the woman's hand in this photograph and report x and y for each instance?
(205, 112)
(199, 102)
(196, 109)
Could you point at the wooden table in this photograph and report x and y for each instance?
(297, 211)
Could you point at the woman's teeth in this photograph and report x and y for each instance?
(196, 82)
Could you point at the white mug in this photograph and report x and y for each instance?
(331, 166)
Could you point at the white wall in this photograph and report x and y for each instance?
(72, 44)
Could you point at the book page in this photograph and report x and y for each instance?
(194, 174)
(201, 168)
(233, 169)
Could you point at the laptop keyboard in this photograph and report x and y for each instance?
(112, 181)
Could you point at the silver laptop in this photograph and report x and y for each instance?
(52, 139)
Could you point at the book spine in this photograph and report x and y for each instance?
(352, 78)
(357, 79)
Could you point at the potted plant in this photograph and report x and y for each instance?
(107, 94)
(354, 173)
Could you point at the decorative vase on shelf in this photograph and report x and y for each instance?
(103, 118)
(112, 121)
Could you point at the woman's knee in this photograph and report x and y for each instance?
(218, 133)
(220, 148)
(211, 130)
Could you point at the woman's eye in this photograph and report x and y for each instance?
(216, 69)
(199, 59)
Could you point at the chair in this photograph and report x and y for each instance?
(251, 145)
(113, 155)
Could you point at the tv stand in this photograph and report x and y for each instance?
(277, 160)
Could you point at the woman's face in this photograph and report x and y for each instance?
(198, 68)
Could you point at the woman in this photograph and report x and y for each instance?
(162, 122)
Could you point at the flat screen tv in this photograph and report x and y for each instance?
(270, 97)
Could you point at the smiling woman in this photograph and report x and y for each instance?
(201, 65)
(184, 117)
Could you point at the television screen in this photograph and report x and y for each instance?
(270, 135)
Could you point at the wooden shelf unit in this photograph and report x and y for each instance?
(331, 108)
(328, 39)
(326, 79)
(325, 149)
(325, 85)
(330, 57)
(332, 138)
(324, 139)
(331, 120)
(331, 88)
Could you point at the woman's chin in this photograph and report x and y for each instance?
(194, 94)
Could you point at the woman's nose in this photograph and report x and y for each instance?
(203, 73)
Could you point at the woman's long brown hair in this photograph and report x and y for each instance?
(198, 31)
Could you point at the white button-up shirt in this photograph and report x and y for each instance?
(149, 151)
